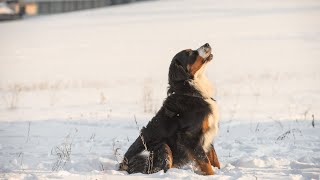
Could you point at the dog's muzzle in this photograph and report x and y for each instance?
(205, 52)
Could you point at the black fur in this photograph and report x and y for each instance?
(176, 130)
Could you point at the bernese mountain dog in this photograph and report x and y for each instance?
(183, 130)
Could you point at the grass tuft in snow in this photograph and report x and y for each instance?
(63, 152)
(286, 135)
(11, 98)
(312, 123)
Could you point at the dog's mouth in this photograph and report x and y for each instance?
(205, 52)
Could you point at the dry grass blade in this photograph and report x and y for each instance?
(63, 152)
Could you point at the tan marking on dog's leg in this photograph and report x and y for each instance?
(205, 167)
(170, 157)
(212, 155)
(202, 161)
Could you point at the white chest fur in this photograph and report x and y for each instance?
(212, 132)
(202, 84)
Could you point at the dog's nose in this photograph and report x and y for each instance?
(206, 45)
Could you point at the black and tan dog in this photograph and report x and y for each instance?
(185, 126)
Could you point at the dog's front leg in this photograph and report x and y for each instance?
(213, 158)
(199, 155)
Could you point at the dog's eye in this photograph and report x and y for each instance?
(196, 53)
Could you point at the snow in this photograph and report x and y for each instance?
(76, 82)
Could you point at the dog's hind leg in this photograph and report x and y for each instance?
(212, 155)
(138, 164)
(133, 153)
(162, 158)
(199, 155)
(167, 158)
(156, 159)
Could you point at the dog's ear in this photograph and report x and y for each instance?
(177, 72)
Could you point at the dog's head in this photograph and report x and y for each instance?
(188, 63)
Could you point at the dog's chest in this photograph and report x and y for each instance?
(212, 126)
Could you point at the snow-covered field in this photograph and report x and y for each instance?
(72, 86)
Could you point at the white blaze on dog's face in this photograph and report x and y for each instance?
(204, 51)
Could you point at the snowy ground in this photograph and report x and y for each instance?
(72, 85)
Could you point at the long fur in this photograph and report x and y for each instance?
(202, 84)
(185, 126)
